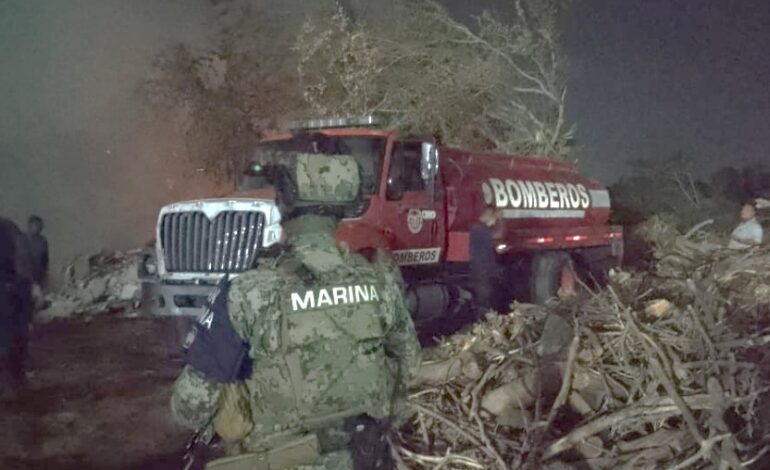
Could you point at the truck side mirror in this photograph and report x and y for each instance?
(429, 167)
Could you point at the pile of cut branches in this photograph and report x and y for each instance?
(657, 370)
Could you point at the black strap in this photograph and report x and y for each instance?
(216, 350)
(369, 443)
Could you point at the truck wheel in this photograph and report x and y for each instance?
(551, 271)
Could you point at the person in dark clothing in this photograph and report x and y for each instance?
(482, 259)
(16, 304)
(38, 250)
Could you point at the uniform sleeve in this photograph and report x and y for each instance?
(24, 259)
(401, 342)
(251, 307)
(194, 399)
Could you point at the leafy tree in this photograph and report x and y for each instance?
(498, 84)
(228, 93)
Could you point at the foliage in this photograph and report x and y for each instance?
(670, 186)
(227, 94)
(651, 370)
(337, 65)
(499, 84)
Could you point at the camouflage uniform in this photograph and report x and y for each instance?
(329, 333)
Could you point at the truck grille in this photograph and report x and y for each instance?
(228, 243)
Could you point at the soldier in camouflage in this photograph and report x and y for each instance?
(330, 340)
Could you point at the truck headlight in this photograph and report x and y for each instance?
(149, 265)
(275, 216)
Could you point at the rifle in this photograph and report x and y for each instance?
(369, 444)
(197, 449)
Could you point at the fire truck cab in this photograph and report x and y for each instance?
(418, 200)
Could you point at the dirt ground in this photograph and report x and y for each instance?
(97, 397)
(98, 393)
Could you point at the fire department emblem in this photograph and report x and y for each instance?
(414, 220)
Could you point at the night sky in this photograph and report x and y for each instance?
(653, 78)
(647, 77)
(650, 78)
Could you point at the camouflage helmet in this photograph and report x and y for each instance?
(329, 179)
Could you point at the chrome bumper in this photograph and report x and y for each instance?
(159, 298)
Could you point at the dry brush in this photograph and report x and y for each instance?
(663, 371)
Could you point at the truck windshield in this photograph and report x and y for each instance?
(368, 152)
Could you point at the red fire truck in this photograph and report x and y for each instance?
(418, 201)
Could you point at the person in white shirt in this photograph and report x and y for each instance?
(748, 233)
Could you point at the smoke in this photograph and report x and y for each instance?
(77, 146)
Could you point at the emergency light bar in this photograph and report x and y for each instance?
(328, 123)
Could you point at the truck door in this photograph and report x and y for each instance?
(412, 215)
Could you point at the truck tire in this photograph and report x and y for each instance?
(546, 275)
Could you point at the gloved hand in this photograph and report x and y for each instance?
(233, 419)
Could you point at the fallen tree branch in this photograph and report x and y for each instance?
(697, 227)
(651, 410)
(434, 414)
(704, 452)
(652, 390)
(566, 381)
(447, 458)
